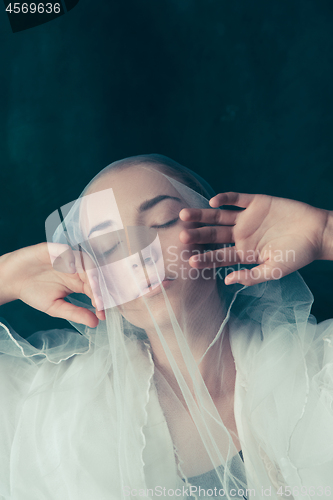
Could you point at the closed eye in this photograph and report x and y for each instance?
(110, 251)
(167, 224)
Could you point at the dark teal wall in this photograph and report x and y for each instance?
(239, 91)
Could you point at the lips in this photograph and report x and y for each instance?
(153, 281)
(154, 286)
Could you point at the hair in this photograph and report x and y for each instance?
(165, 165)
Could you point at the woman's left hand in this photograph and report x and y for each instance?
(277, 234)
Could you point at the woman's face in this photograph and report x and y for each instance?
(131, 219)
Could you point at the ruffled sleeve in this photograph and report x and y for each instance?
(283, 409)
(21, 360)
(16, 376)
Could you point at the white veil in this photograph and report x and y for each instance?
(118, 413)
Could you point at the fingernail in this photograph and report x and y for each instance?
(99, 303)
(230, 281)
(72, 267)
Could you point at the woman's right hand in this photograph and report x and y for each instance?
(27, 274)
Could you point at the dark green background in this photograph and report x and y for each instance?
(239, 91)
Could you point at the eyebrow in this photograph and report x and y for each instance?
(100, 226)
(146, 205)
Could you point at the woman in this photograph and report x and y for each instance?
(182, 383)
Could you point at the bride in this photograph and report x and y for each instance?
(196, 368)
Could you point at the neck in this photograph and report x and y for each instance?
(217, 367)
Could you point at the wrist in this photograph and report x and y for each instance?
(7, 278)
(327, 239)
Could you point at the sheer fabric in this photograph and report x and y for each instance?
(89, 413)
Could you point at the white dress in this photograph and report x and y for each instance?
(75, 426)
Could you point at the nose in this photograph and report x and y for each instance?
(150, 255)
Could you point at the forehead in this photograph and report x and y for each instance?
(133, 181)
(116, 195)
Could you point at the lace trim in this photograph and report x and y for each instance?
(274, 474)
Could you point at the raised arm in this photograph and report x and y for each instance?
(327, 247)
(278, 235)
(27, 274)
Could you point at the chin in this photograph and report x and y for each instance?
(137, 313)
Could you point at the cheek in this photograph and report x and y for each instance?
(128, 278)
(174, 251)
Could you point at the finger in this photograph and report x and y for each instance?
(208, 234)
(209, 216)
(231, 198)
(82, 261)
(222, 257)
(90, 286)
(65, 259)
(62, 257)
(87, 281)
(65, 310)
(100, 315)
(95, 288)
(254, 276)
